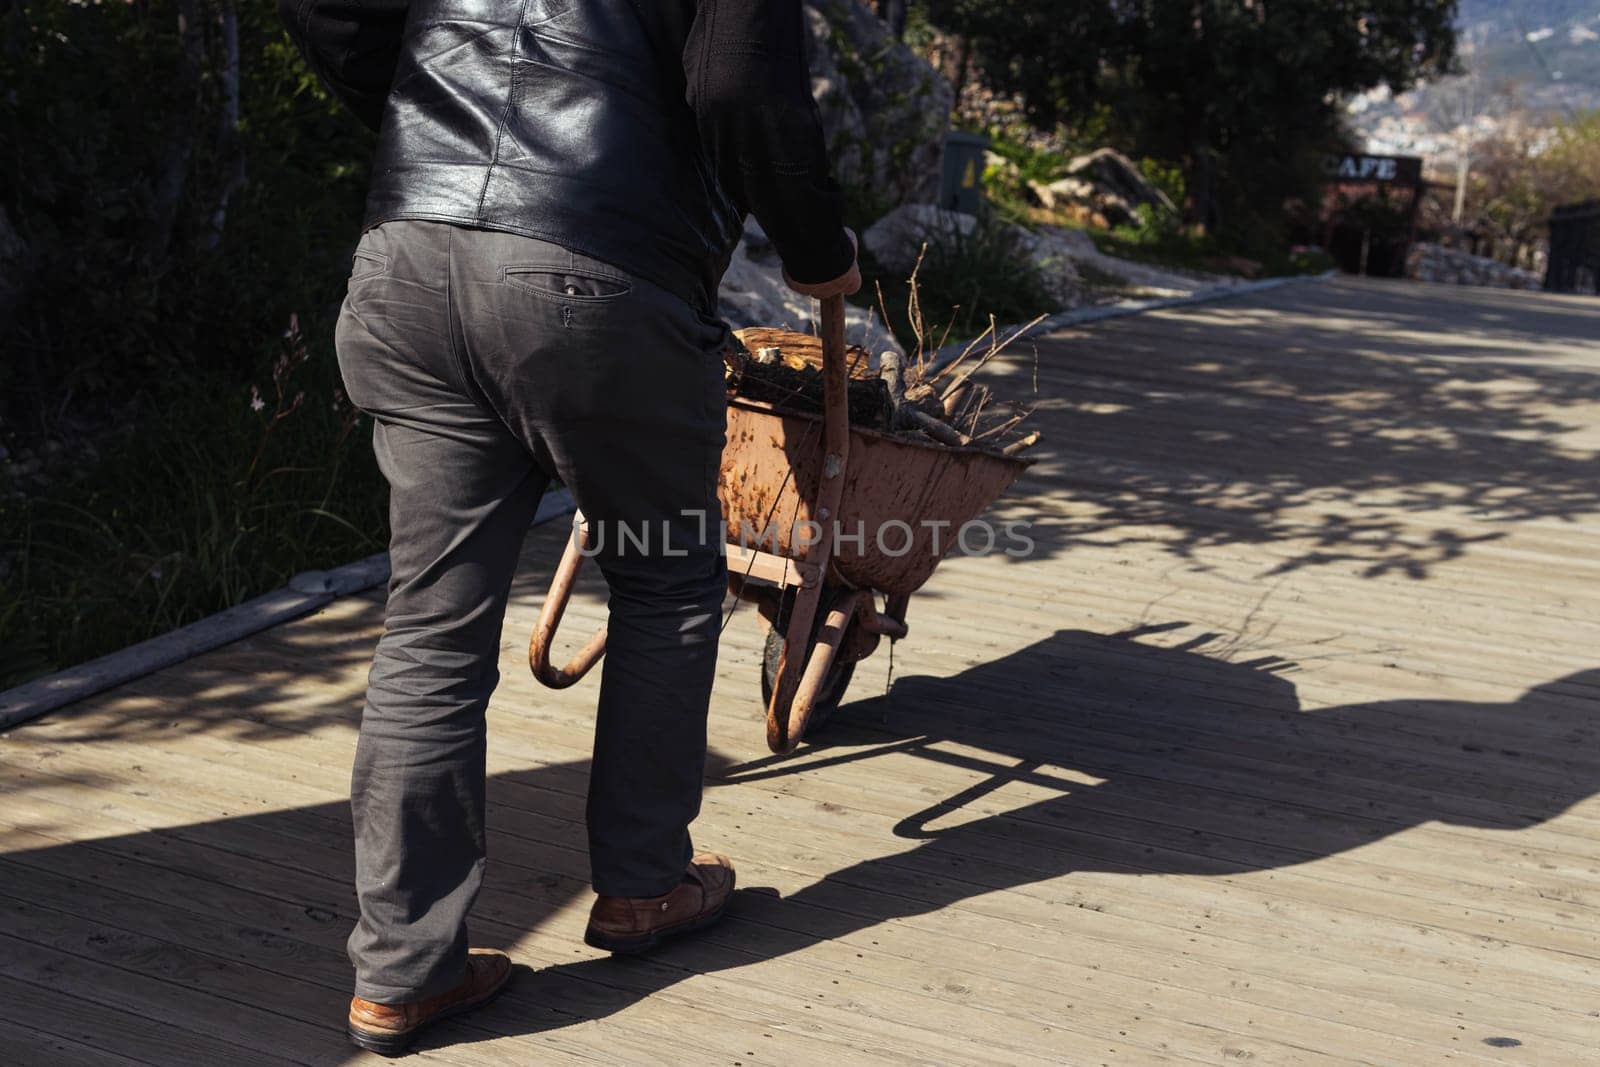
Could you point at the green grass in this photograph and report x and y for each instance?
(1162, 242)
(1033, 164)
(1104, 282)
(1159, 243)
(202, 505)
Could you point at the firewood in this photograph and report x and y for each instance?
(1021, 444)
(995, 348)
(972, 346)
(999, 430)
(891, 369)
(791, 389)
(801, 350)
(937, 429)
(902, 394)
(925, 400)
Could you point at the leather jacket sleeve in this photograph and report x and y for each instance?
(353, 46)
(750, 89)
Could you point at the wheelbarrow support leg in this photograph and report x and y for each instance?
(820, 662)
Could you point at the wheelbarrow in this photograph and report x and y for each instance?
(841, 516)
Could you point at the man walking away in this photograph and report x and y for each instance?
(557, 190)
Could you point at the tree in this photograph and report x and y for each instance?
(1455, 105)
(1243, 94)
(1048, 53)
(1511, 194)
(1521, 172)
(1570, 163)
(137, 247)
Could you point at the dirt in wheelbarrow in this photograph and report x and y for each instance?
(892, 394)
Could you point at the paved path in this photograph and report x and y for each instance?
(1281, 748)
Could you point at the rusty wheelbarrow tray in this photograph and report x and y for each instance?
(821, 519)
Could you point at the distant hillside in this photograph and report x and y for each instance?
(1550, 48)
(1539, 56)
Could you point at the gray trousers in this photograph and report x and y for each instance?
(490, 364)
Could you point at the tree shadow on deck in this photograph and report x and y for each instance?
(1388, 429)
(1111, 754)
(1084, 753)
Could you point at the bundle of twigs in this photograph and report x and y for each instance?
(942, 399)
(946, 404)
(918, 394)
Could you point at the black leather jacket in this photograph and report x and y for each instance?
(635, 131)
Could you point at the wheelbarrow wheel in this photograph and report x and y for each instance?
(839, 674)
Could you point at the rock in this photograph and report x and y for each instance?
(1111, 171)
(994, 161)
(884, 109)
(896, 240)
(1058, 254)
(1076, 246)
(1075, 243)
(753, 294)
(1429, 262)
(1054, 193)
(1054, 262)
(1104, 188)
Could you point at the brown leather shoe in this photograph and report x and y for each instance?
(389, 1029)
(637, 924)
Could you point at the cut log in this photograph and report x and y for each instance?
(892, 371)
(800, 390)
(937, 429)
(802, 350)
(1021, 444)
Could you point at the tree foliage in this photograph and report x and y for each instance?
(1569, 165)
(1243, 94)
(1519, 176)
(174, 185)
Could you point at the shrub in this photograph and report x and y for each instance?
(233, 491)
(960, 283)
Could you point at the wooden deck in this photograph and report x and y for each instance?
(1282, 747)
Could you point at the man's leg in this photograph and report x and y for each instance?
(463, 492)
(620, 383)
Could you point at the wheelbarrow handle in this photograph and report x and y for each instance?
(555, 605)
(803, 667)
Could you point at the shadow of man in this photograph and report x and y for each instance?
(1082, 753)
(1096, 753)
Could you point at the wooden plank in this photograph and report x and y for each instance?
(28, 1047)
(522, 893)
(46, 694)
(584, 741)
(769, 567)
(1219, 773)
(1201, 858)
(726, 997)
(63, 1013)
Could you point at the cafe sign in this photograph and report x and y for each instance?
(1384, 170)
